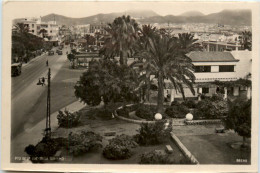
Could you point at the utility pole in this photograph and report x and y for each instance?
(48, 115)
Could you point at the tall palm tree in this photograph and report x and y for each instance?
(246, 40)
(166, 56)
(123, 34)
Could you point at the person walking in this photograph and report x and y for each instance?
(47, 63)
(43, 81)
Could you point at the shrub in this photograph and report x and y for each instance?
(153, 133)
(155, 157)
(117, 152)
(119, 147)
(211, 109)
(145, 112)
(189, 103)
(177, 111)
(217, 97)
(83, 142)
(124, 112)
(124, 140)
(68, 119)
(47, 147)
(175, 103)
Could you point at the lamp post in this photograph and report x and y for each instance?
(47, 130)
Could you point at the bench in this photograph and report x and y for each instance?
(220, 130)
(110, 134)
(168, 149)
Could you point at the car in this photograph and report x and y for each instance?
(50, 52)
(59, 52)
(16, 69)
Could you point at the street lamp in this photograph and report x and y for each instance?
(47, 130)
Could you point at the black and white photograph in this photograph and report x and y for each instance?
(126, 85)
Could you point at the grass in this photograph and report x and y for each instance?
(216, 148)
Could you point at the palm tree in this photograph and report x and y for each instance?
(246, 40)
(166, 57)
(21, 28)
(43, 32)
(123, 34)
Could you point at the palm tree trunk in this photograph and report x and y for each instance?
(160, 98)
(148, 89)
(123, 58)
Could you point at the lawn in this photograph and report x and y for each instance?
(211, 148)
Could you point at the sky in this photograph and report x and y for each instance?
(84, 9)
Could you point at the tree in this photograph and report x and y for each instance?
(108, 80)
(122, 37)
(165, 56)
(90, 39)
(246, 40)
(239, 118)
(21, 28)
(23, 42)
(43, 32)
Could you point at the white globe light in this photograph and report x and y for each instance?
(189, 117)
(158, 116)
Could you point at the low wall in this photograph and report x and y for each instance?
(183, 149)
(201, 122)
(131, 120)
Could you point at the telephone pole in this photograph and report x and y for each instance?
(48, 115)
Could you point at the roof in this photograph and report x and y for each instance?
(222, 43)
(197, 56)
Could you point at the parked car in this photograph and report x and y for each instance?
(51, 52)
(59, 52)
(16, 69)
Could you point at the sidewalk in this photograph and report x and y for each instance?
(32, 60)
(34, 135)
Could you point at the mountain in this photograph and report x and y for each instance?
(140, 13)
(230, 17)
(192, 13)
(226, 17)
(104, 18)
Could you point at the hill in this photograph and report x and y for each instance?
(192, 13)
(226, 17)
(230, 17)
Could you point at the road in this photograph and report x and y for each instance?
(26, 94)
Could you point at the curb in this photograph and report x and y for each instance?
(131, 120)
(184, 150)
(32, 60)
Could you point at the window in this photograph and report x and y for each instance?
(226, 68)
(32, 31)
(205, 90)
(32, 25)
(201, 69)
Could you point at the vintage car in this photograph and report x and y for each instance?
(50, 52)
(16, 69)
(59, 52)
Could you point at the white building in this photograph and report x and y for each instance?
(35, 26)
(217, 66)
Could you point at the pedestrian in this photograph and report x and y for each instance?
(47, 63)
(43, 81)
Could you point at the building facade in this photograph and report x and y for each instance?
(216, 66)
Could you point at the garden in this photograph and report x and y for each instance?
(84, 138)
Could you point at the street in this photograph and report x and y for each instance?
(29, 99)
